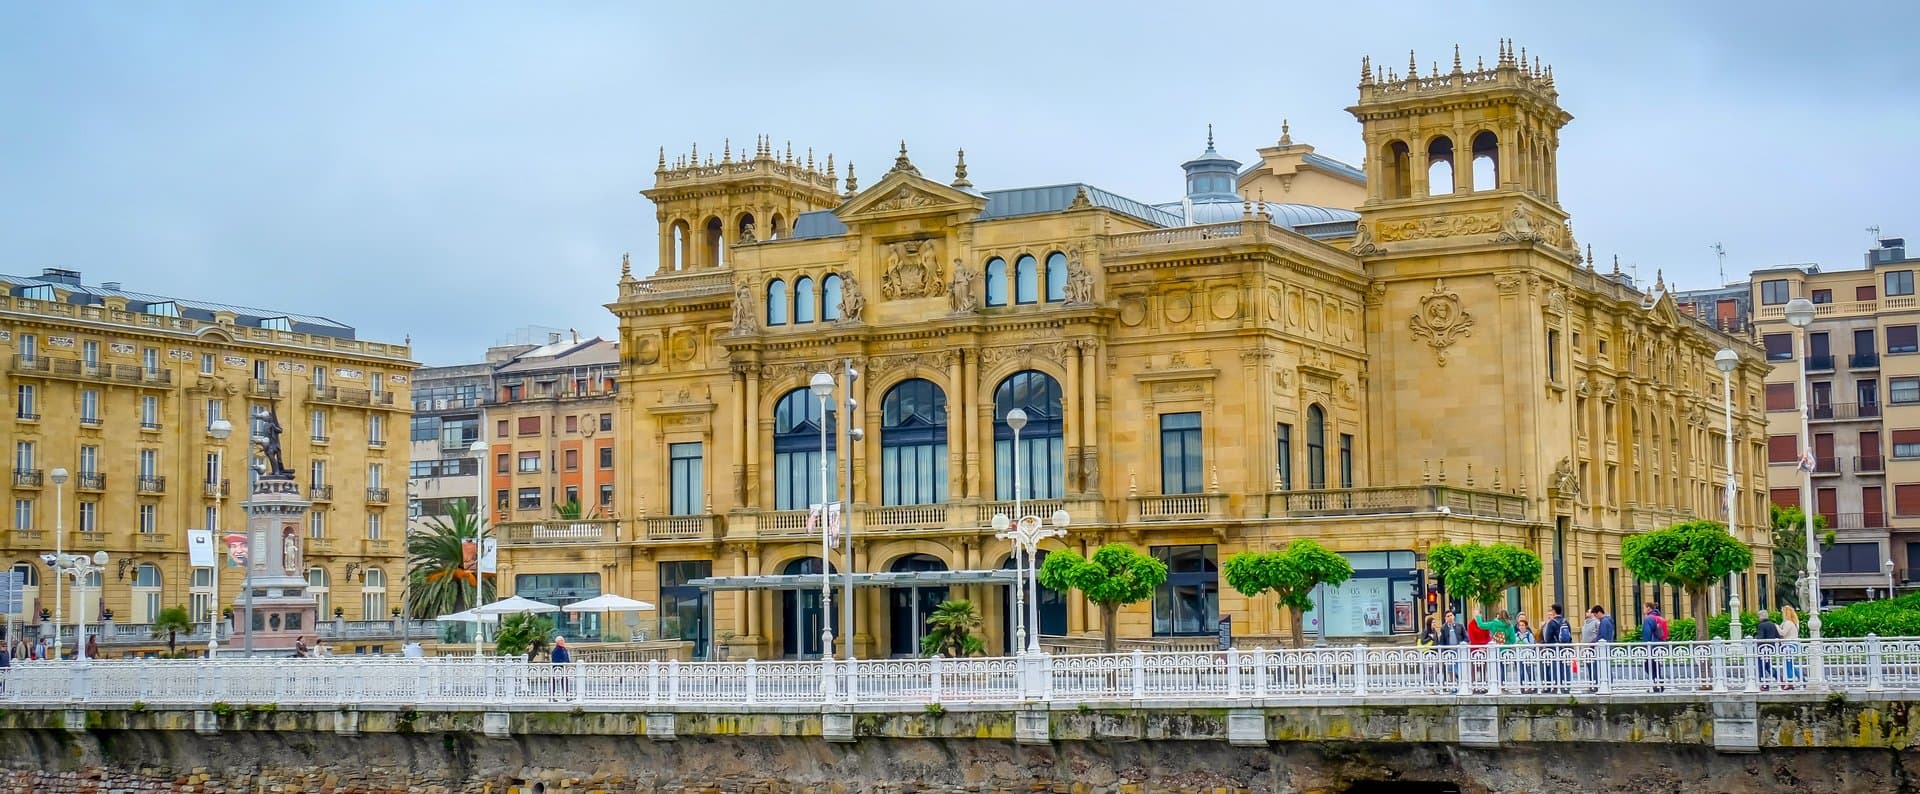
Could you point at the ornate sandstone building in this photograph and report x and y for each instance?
(1384, 359)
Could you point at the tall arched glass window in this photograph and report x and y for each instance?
(913, 444)
(800, 611)
(1056, 277)
(996, 282)
(1026, 277)
(317, 589)
(146, 593)
(1042, 453)
(777, 302)
(796, 451)
(1316, 447)
(830, 298)
(803, 305)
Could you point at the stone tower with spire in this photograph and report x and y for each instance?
(704, 207)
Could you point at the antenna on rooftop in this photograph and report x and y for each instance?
(1721, 252)
(1875, 231)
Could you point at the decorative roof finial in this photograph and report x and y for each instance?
(1081, 201)
(1660, 280)
(789, 152)
(1536, 66)
(1209, 135)
(696, 152)
(726, 155)
(1286, 134)
(960, 170)
(1479, 63)
(663, 158)
(1260, 206)
(809, 158)
(901, 163)
(1413, 67)
(853, 183)
(1436, 68)
(1456, 59)
(1616, 264)
(1589, 256)
(1366, 69)
(829, 165)
(626, 267)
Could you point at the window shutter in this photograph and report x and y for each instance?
(1782, 449)
(1906, 500)
(1780, 397)
(1784, 497)
(1902, 338)
(1906, 437)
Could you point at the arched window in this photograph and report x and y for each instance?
(716, 241)
(911, 604)
(1026, 279)
(1042, 453)
(830, 298)
(776, 302)
(1316, 447)
(373, 595)
(803, 300)
(742, 226)
(913, 444)
(778, 228)
(800, 611)
(1397, 163)
(1440, 166)
(796, 451)
(996, 282)
(317, 588)
(1056, 277)
(146, 593)
(1486, 161)
(680, 241)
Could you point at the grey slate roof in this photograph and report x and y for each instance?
(1013, 203)
(203, 311)
(1320, 161)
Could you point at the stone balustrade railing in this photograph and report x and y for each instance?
(1256, 677)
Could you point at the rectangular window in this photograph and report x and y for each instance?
(206, 363)
(1780, 397)
(686, 476)
(1783, 449)
(606, 495)
(376, 429)
(1784, 497)
(373, 526)
(1903, 339)
(149, 518)
(1283, 456)
(1906, 443)
(150, 358)
(1899, 282)
(149, 463)
(1823, 296)
(606, 423)
(318, 472)
(573, 424)
(25, 407)
(150, 412)
(23, 514)
(683, 607)
(606, 457)
(89, 460)
(501, 463)
(423, 428)
(22, 455)
(1553, 356)
(319, 377)
(529, 462)
(318, 423)
(1865, 293)
(374, 474)
(500, 429)
(572, 496)
(90, 406)
(572, 459)
(529, 499)
(89, 516)
(1867, 393)
(1863, 346)
(1346, 460)
(1774, 292)
(1779, 347)
(1182, 469)
(1851, 558)
(90, 353)
(1188, 602)
(529, 426)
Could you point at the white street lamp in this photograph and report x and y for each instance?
(81, 568)
(1800, 313)
(1727, 361)
(1888, 567)
(822, 387)
(219, 429)
(1026, 532)
(59, 551)
(478, 449)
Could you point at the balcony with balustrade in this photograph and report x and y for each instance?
(1844, 412)
(1860, 361)
(946, 518)
(28, 478)
(559, 532)
(675, 528)
(262, 387)
(1829, 466)
(376, 496)
(320, 493)
(1869, 464)
(152, 485)
(90, 371)
(1820, 363)
(222, 489)
(1177, 507)
(1396, 500)
(349, 396)
(91, 481)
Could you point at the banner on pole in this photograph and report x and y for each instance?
(200, 548)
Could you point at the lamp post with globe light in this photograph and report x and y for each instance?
(59, 551)
(1800, 313)
(81, 568)
(1026, 532)
(1888, 567)
(218, 430)
(478, 449)
(821, 386)
(1727, 361)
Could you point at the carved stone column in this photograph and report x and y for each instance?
(969, 416)
(752, 464)
(1075, 408)
(957, 441)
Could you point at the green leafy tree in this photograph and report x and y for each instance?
(569, 511)
(1790, 549)
(1290, 574)
(950, 631)
(518, 633)
(170, 622)
(1692, 555)
(1483, 573)
(1115, 576)
(439, 581)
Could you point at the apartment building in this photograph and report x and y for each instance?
(449, 410)
(1861, 360)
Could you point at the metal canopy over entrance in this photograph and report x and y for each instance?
(839, 580)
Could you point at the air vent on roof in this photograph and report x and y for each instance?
(112, 285)
(61, 275)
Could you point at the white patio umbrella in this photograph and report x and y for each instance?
(514, 605)
(602, 604)
(467, 616)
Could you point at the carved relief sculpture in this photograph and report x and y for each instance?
(905, 198)
(1565, 484)
(1440, 320)
(852, 300)
(1079, 281)
(744, 321)
(912, 272)
(1363, 244)
(1518, 228)
(960, 292)
(290, 552)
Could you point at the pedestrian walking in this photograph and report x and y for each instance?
(1769, 646)
(1529, 659)
(1598, 632)
(1790, 644)
(1653, 632)
(1454, 645)
(1556, 637)
(560, 656)
(1430, 677)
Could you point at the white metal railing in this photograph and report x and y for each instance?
(1866, 666)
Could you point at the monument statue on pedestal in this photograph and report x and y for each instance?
(268, 432)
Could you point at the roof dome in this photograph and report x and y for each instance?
(1211, 176)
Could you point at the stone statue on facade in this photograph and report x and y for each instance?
(1079, 281)
(267, 432)
(290, 553)
(852, 300)
(960, 292)
(743, 304)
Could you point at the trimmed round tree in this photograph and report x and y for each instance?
(1693, 555)
(1483, 573)
(1290, 574)
(1115, 576)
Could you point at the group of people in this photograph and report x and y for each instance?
(23, 650)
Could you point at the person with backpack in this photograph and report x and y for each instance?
(1653, 630)
(1555, 636)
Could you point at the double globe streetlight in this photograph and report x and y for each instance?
(1727, 361)
(219, 430)
(1800, 313)
(1026, 532)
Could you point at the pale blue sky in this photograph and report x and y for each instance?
(451, 171)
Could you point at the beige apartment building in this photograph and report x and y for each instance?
(1861, 358)
(119, 388)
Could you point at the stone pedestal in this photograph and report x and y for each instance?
(276, 570)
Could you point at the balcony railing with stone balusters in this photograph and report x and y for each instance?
(1395, 500)
(533, 533)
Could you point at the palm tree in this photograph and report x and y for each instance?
(171, 621)
(439, 581)
(950, 631)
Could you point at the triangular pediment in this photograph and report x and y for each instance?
(906, 194)
(1663, 310)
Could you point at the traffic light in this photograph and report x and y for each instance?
(1433, 598)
